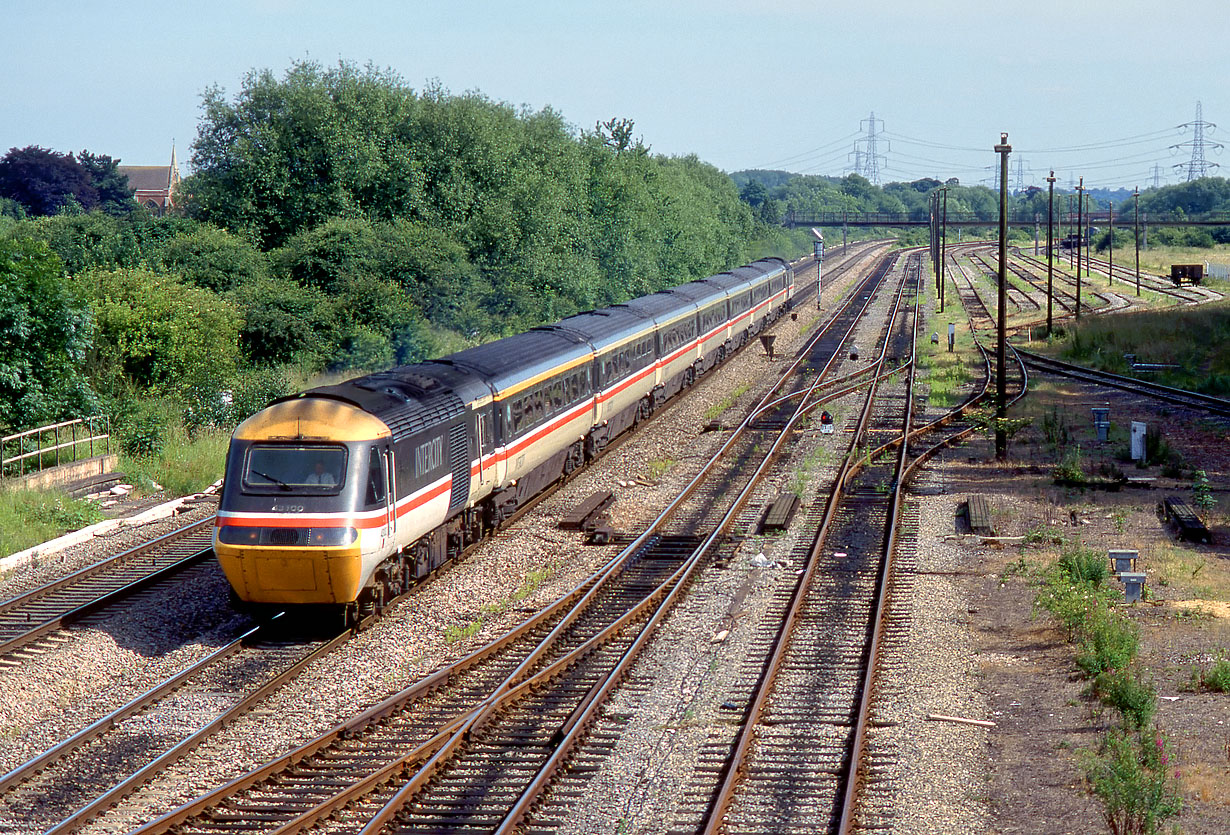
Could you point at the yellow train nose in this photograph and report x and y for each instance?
(283, 575)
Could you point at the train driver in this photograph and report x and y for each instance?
(321, 476)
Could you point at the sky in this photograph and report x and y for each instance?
(1091, 88)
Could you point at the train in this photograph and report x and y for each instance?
(343, 496)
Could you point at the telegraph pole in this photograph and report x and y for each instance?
(1136, 195)
(1050, 249)
(935, 238)
(943, 244)
(1001, 381)
(1110, 222)
(1080, 233)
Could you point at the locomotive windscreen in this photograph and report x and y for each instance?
(299, 468)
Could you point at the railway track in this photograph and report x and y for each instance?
(1190, 399)
(111, 757)
(38, 613)
(429, 762)
(1153, 283)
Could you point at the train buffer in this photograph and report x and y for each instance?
(978, 512)
(586, 515)
(1186, 522)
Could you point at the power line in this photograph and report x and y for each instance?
(797, 157)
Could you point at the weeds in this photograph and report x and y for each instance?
(1131, 772)
(1084, 565)
(1044, 534)
(1106, 642)
(1132, 775)
(1202, 496)
(453, 634)
(658, 468)
(1216, 679)
(1055, 428)
(533, 579)
(1070, 470)
(1126, 692)
(715, 411)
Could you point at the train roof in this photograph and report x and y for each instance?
(605, 326)
(703, 291)
(407, 398)
(507, 362)
(662, 306)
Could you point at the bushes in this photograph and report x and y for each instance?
(157, 335)
(1124, 690)
(1106, 641)
(1130, 773)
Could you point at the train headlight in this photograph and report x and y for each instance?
(235, 535)
(332, 536)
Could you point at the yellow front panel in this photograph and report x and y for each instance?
(275, 575)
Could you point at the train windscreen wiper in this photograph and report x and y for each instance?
(281, 484)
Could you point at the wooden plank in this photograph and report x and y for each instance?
(978, 509)
(779, 514)
(1180, 514)
(593, 506)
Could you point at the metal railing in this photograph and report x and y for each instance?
(35, 450)
(1213, 270)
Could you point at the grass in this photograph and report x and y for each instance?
(715, 411)
(658, 467)
(31, 517)
(1157, 259)
(1196, 339)
(183, 465)
(949, 373)
(1171, 564)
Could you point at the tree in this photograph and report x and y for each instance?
(326, 255)
(754, 193)
(115, 196)
(45, 331)
(157, 335)
(214, 259)
(85, 241)
(287, 155)
(45, 181)
(282, 321)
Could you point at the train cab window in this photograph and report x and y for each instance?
(294, 468)
(375, 477)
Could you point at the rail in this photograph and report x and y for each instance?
(49, 440)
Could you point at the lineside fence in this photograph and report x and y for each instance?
(50, 446)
